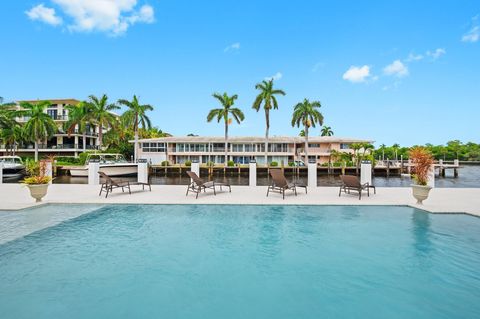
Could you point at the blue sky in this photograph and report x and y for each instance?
(393, 71)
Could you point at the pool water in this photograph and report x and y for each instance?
(180, 261)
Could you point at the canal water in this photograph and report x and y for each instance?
(469, 176)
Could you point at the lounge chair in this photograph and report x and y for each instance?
(352, 183)
(109, 184)
(197, 185)
(280, 183)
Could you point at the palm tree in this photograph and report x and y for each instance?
(267, 97)
(356, 148)
(40, 126)
(326, 131)
(224, 112)
(101, 114)
(306, 113)
(135, 116)
(395, 147)
(382, 147)
(11, 136)
(302, 133)
(7, 114)
(79, 116)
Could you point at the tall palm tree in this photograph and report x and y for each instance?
(356, 148)
(79, 116)
(40, 126)
(382, 147)
(135, 116)
(101, 114)
(267, 97)
(224, 112)
(306, 113)
(326, 131)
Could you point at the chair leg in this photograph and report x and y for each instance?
(340, 191)
(188, 188)
(283, 193)
(101, 189)
(268, 190)
(295, 190)
(198, 191)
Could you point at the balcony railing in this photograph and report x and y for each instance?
(58, 147)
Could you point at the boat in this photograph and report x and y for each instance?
(112, 164)
(13, 168)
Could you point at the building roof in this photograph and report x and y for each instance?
(254, 139)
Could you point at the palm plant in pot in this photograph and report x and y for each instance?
(422, 161)
(37, 182)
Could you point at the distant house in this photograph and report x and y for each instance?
(61, 143)
(241, 149)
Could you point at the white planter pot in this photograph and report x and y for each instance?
(420, 192)
(38, 191)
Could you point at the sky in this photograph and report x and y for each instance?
(402, 72)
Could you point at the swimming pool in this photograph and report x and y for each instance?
(216, 261)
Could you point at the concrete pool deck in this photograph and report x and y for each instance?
(441, 200)
(16, 221)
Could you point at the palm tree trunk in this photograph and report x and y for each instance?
(267, 119)
(306, 145)
(100, 136)
(226, 143)
(135, 150)
(84, 141)
(36, 150)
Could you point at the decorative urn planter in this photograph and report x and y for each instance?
(420, 192)
(38, 191)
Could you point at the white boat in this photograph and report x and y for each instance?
(13, 167)
(110, 164)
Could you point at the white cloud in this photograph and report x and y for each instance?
(275, 77)
(232, 47)
(437, 53)
(396, 68)
(44, 14)
(473, 35)
(357, 74)
(414, 57)
(111, 16)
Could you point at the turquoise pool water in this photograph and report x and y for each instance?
(144, 261)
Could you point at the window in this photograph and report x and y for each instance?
(237, 147)
(249, 148)
(344, 146)
(153, 147)
(314, 145)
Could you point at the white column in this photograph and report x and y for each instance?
(456, 162)
(252, 173)
(142, 175)
(195, 168)
(431, 176)
(93, 177)
(366, 172)
(312, 174)
(1, 172)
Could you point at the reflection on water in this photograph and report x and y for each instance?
(469, 176)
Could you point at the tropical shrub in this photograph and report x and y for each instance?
(164, 163)
(32, 167)
(291, 164)
(422, 160)
(188, 163)
(210, 163)
(230, 163)
(37, 180)
(274, 164)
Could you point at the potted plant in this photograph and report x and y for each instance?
(38, 186)
(37, 182)
(422, 161)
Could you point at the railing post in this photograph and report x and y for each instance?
(431, 176)
(366, 172)
(195, 167)
(312, 173)
(142, 174)
(93, 177)
(252, 173)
